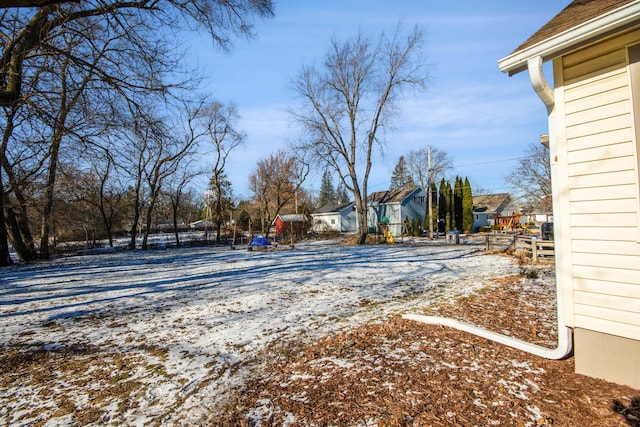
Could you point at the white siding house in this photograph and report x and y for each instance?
(340, 218)
(594, 129)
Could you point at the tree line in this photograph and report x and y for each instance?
(96, 110)
(103, 127)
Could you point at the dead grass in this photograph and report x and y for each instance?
(76, 380)
(393, 373)
(402, 373)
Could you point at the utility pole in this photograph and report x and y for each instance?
(429, 196)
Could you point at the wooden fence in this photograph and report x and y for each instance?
(538, 248)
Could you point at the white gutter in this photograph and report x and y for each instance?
(539, 83)
(584, 33)
(565, 334)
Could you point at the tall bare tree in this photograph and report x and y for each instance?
(180, 199)
(424, 169)
(157, 145)
(98, 187)
(532, 176)
(220, 121)
(346, 103)
(428, 166)
(218, 18)
(275, 183)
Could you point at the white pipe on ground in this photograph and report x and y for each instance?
(565, 334)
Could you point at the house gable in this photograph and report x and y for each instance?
(340, 218)
(576, 13)
(579, 24)
(397, 205)
(491, 203)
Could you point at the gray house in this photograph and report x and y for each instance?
(394, 205)
(397, 205)
(488, 207)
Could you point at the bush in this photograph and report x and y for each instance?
(530, 273)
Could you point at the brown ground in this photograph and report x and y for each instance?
(402, 373)
(394, 373)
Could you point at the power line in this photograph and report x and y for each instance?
(492, 161)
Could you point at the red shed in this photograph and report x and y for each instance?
(290, 224)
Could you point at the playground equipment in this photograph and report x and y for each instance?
(508, 222)
(384, 226)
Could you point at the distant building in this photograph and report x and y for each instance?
(340, 218)
(201, 225)
(292, 224)
(397, 206)
(394, 205)
(488, 207)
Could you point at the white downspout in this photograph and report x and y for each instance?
(565, 334)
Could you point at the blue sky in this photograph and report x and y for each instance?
(481, 117)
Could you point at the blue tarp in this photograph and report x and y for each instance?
(260, 241)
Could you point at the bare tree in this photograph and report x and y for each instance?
(98, 187)
(425, 170)
(64, 121)
(218, 18)
(178, 194)
(532, 176)
(428, 166)
(154, 152)
(121, 48)
(346, 103)
(30, 3)
(219, 121)
(275, 183)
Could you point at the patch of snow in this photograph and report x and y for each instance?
(196, 317)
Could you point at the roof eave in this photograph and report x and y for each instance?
(609, 23)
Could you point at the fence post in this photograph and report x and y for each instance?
(514, 243)
(487, 248)
(534, 249)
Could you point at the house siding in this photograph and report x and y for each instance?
(598, 192)
(412, 206)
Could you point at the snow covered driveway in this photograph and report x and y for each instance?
(187, 323)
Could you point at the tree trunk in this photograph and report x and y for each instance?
(145, 236)
(363, 223)
(134, 225)
(5, 258)
(47, 211)
(108, 222)
(145, 239)
(174, 211)
(108, 229)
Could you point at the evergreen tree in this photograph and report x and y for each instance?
(450, 219)
(342, 196)
(467, 206)
(434, 207)
(457, 201)
(442, 207)
(401, 177)
(328, 195)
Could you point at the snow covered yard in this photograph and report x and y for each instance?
(169, 337)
